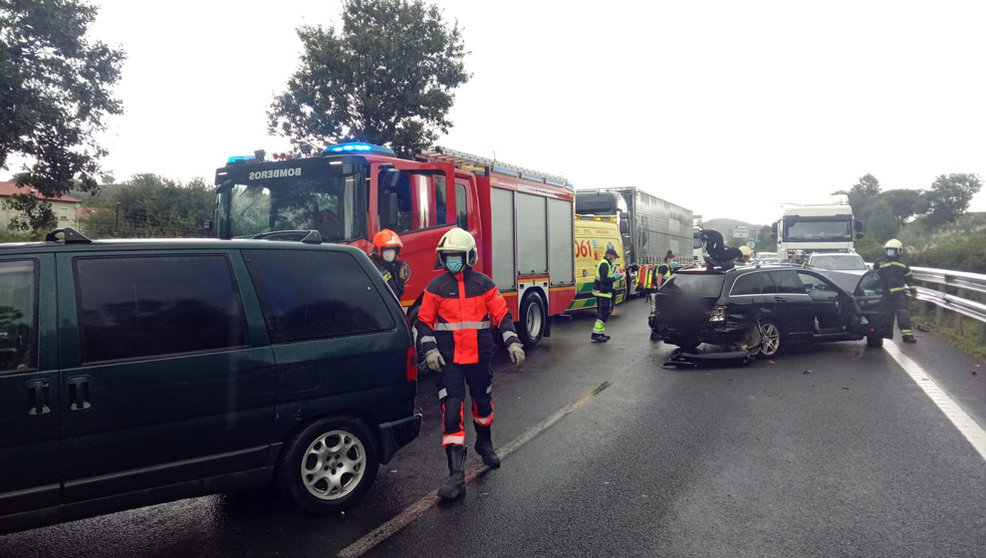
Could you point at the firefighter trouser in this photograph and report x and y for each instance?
(902, 308)
(452, 394)
(604, 306)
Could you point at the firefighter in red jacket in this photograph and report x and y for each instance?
(454, 327)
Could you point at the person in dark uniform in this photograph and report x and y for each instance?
(386, 249)
(896, 274)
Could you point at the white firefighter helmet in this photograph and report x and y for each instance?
(895, 244)
(459, 240)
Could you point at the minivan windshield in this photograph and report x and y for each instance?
(695, 284)
(302, 195)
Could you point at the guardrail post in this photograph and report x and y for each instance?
(958, 315)
(982, 327)
(924, 306)
(938, 309)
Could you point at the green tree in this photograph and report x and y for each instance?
(863, 192)
(386, 78)
(150, 206)
(905, 203)
(766, 240)
(950, 196)
(54, 95)
(880, 222)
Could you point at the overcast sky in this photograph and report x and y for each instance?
(727, 108)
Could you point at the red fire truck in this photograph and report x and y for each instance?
(522, 219)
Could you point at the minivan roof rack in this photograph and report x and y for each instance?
(69, 236)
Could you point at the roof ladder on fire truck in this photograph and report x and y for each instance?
(484, 166)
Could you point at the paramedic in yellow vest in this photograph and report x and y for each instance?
(602, 289)
(666, 269)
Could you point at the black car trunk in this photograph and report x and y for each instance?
(683, 305)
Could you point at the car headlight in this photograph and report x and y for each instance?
(718, 314)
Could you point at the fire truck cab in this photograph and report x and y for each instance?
(522, 220)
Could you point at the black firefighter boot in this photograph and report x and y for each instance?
(455, 486)
(484, 446)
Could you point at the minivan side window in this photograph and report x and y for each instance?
(139, 306)
(18, 315)
(307, 294)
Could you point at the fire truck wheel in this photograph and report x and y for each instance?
(532, 320)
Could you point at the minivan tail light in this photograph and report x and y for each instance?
(412, 366)
(718, 314)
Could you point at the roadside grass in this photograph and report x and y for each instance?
(965, 338)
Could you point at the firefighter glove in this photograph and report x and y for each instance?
(434, 360)
(516, 353)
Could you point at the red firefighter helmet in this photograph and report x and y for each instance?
(386, 239)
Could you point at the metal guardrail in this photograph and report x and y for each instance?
(954, 291)
(961, 282)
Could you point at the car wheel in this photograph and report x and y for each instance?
(771, 340)
(329, 466)
(874, 340)
(533, 318)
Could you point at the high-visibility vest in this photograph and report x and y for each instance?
(599, 288)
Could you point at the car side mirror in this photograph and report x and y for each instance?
(860, 228)
(773, 230)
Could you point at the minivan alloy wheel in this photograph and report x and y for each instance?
(329, 465)
(333, 464)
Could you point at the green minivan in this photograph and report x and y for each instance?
(135, 372)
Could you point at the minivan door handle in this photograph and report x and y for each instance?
(79, 392)
(38, 392)
(780, 299)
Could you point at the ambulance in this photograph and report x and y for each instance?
(593, 235)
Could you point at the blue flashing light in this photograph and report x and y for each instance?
(358, 147)
(240, 159)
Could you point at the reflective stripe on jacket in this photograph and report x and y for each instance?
(894, 272)
(603, 284)
(456, 315)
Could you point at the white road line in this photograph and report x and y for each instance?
(430, 500)
(966, 424)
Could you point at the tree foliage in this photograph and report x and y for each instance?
(864, 191)
(905, 203)
(385, 78)
(950, 196)
(148, 206)
(54, 95)
(880, 222)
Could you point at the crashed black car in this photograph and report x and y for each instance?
(766, 309)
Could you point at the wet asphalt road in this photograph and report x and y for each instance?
(829, 451)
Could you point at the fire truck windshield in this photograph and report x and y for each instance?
(331, 199)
